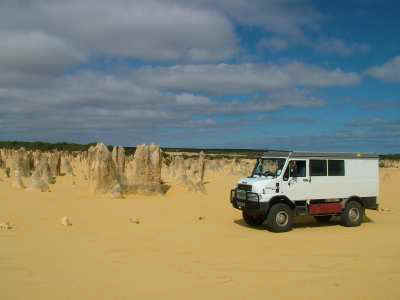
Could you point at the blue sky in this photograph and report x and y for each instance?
(287, 74)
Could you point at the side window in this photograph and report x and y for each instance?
(298, 168)
(318, 167)
(295, 168)
(336, 167)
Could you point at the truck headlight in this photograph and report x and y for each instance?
(252, 197)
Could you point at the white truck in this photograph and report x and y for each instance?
(285, 184)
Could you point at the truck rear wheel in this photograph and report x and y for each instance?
(280, 218)
(353, 214)
(323, 219)
(253, 220)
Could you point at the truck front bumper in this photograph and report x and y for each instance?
(251, 207)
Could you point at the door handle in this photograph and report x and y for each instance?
(305, 180)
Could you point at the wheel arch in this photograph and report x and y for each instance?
(281, 199)
(355, 198)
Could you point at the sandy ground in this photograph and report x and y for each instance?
(173, 254)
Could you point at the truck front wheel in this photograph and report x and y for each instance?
(280, 218)
(253, 220)
(353, 214)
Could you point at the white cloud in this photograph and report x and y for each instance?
(201, 123)
(31, 58)
(36, 51)
(94, 101)
(156, 30)
(334, 46)
(390, 71)
(285, 17)
(42, 40)
(340, 47)
(242, 78)
(150, 30)
(314, 76)
(190, 99)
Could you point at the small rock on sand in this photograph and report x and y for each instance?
(382, 209)
(6, 226)
(66, 221)
(135, 221)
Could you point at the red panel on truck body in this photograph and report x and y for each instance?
(325, 208)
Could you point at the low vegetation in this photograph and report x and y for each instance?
(187, 152)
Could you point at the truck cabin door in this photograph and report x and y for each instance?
(295, 183)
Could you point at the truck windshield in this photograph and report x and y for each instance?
(269, 167)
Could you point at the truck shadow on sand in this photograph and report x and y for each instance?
(303, 222)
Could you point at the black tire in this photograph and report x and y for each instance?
(353, 214)
(323, 219)
(253, 220)
(280, 218)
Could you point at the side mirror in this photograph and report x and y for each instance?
(286, 175)
(292, 172)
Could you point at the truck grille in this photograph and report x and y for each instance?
(244, 187)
